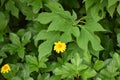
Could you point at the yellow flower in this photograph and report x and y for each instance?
(5, 68)
(59, 47)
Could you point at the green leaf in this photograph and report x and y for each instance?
(111, 10)
(54, 6)
(118, 9)
(33, 68)
(3, 21)
(16, 78)
(97, 12)
(45, 49)
(31, 59)
(15, 39)
(45, 35)
(88, 74)
(10, 6)
(25, 9)
(45, 76)
(118, 39)
(71, 69)
(64, 39)
(21, 52)
(76, 32)
(74, 15)
(45, 17)
(37, 4)
(116, 59)
(98, 65)
(89, 3)
(54, 77)
(87, 34)
(111, 2)
(26, 38)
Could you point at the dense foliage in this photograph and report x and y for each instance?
(32, 33)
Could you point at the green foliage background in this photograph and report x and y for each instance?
(90, 29)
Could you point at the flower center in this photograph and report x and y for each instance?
(5, 67)
(59, 46)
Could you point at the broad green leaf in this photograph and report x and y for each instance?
(65, 71)
(89, 3)
(21, 32)
(54, 77)
(21, 52)
(76, 32)
(3, 21)
(26, 38)
(111, 10)
(98, 65)
(37, 4)
(16, 78)
(45, 76)
(32, 60)
(33, 68)
(15, 39)
(42, 61)
(97, 12)
(116, 59)
(25, 9)
(74, 15)
(87, 34)
(29, 78)
(45, 17)
(71, 69)
(64, 39)
(111, 2)
(76, 60)
(10, 6)
(45, 35)
(88, 74)
(118, 9)
(54, 6)
(60, 24)
(45, 49)
(11, 48)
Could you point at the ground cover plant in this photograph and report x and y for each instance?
(59, 39)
